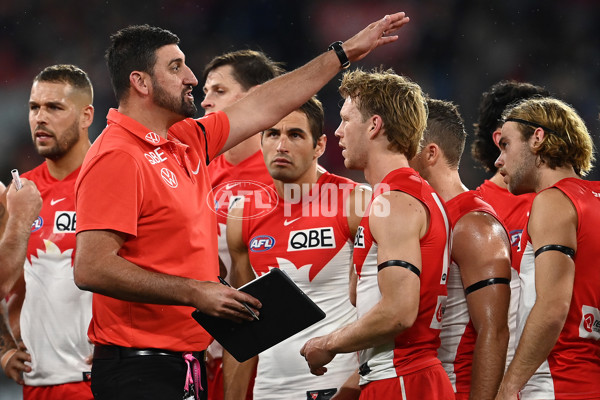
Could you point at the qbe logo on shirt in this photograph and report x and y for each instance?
(310, 239)
(359, 238)
(64, 222)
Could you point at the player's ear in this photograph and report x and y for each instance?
(537, 137)
(375, 126)
(496, 137)
(430, 153)
(320, 146)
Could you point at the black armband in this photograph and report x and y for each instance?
(486, 282)
(399, 263)
(556, 247)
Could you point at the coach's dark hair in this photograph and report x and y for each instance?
(134, 49)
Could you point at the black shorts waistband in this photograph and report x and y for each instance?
(104, 352)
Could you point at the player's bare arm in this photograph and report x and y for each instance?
(487, 305)
(553, 220)
(398, 237)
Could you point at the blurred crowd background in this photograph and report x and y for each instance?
(455, 49)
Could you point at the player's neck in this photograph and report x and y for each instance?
(64, 166)
(498, 180)
(295, 190)
(382, 163)
(549, 177)
(446, 182)
(242, 151)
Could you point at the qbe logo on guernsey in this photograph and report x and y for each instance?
(64, 222)
(589, 328)
(359, 238)
(311, 239)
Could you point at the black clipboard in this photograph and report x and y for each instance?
(286, 310)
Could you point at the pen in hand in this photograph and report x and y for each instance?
(246, 306)
(16, 179)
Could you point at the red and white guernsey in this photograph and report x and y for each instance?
(514, 214)
(56, 313)
(229, 180)
(416, 347)
(572, 369)
(310, 241)
(458, 335)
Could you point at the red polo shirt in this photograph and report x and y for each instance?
(158, 192)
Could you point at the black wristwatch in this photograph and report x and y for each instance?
(340, 53)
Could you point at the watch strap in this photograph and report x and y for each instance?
(340, 53)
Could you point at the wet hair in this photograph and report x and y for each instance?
(250, 67)
(70, 74)
(398, 101)
(492, 104)
(566, 142)
(134, 49)
(446, 128)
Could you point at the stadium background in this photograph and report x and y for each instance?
(455, 49)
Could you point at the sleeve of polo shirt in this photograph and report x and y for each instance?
(109, 194)
(209, 145)
(217, 132)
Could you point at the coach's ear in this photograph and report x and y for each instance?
(140, 82)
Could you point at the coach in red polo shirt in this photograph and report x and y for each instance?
(146, 230)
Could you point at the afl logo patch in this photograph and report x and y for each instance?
(262, 243)
(37, 224)
(153, 138)
(169, 177)
(515, 238)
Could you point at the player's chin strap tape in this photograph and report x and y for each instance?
(486, 282)
(556, 247)
(399, 263)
